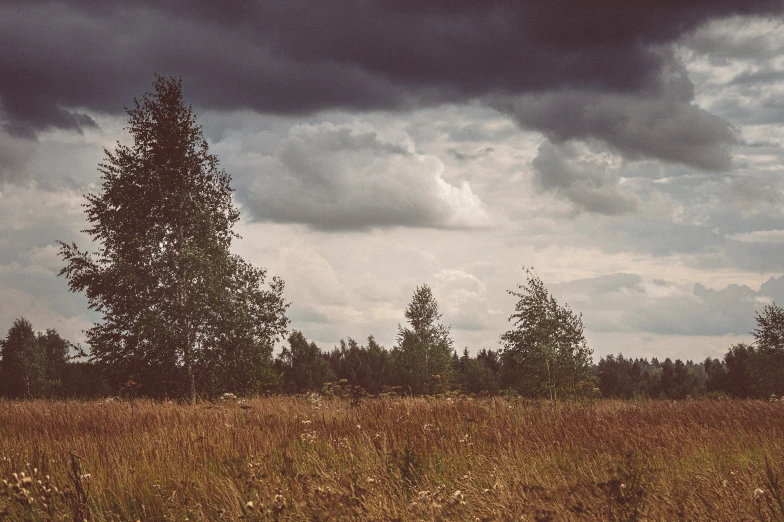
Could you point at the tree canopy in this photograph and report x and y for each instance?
(22, 362)
(546, 352)
(423, 356)
(182, 315)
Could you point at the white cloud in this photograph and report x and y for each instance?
(352, 177)
(759, 236)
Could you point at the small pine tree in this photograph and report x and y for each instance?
(423, 356)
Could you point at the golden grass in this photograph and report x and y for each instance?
(298, 458)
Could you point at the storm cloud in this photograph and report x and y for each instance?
(592, 186)
(298, 57)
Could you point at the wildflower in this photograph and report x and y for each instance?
(278, 504)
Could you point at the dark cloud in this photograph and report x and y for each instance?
(590, 186)
(664, 124)
(464, 156)
(754, 192)
(294, 57)
(730, 310)
(602, 284)
(15, 153)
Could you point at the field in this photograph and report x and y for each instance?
(314, 458)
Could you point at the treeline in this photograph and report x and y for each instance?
(45, 365)
(372, 369)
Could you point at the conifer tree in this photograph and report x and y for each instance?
(423, 356)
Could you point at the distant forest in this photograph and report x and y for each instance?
(42, 366)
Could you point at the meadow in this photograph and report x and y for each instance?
(456, 458)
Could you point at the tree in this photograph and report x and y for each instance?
(767, 364)
(56, 354)
(178, 307)
(769, 333)
(423, 356)
(366, 367)
(716, 372)
(478, 374)
(618, 376)
(304, 367)
(546, 352)
(23, 363)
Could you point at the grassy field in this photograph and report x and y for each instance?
(313, 458)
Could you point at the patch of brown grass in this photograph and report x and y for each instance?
(286, 458)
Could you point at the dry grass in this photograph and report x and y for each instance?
(313, 458)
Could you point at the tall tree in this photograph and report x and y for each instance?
(22, 363)
(546, 352)
(177, 305)
(769, 333)
(767, 364)
(423, 356)
(56, 353)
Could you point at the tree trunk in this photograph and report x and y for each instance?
(184, 336)
(189, 370)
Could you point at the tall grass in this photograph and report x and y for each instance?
(313, 458)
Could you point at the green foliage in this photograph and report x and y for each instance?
(423, 356)
(23, 363)
(619, 377)
(479, 374)
(753, 370)
(368, 367)
(181, 314)
(767, 364)
(546, 353)
(303, 365)
(56, 353)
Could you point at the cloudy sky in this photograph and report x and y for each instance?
(630, 151)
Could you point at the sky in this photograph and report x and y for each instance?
(630, 151)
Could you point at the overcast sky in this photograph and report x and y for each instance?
(630, 151)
